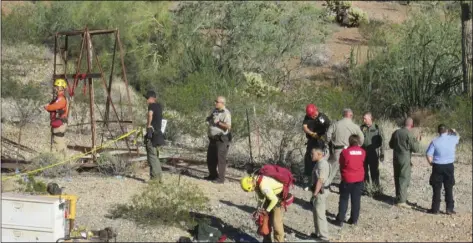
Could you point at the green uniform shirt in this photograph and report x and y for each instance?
(374, 138)
(403, 143)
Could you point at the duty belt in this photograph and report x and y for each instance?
(216, 137)
(59, 134)
(339, 147)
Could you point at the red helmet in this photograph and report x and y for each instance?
(311, 110)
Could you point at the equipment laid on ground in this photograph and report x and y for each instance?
(207, 233)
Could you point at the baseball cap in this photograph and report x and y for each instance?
(150, 94)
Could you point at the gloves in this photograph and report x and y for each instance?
(381, 157)
(262, 211)
(149, 132)
(314, 135)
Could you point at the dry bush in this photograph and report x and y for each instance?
(315, 56)
(114, 165)
(373, 190)
(46, 159)
(163, 204)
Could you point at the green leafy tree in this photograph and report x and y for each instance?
(418, 68)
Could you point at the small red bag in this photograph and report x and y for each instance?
(56, 123)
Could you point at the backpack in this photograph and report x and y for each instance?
(207, 233)
(282, 175)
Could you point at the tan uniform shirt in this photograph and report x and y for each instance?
(321, 171)
(340, 131)
(223, 116)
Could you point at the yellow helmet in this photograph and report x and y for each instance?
(247, 184)
(60, 83)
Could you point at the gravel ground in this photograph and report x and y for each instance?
(379, 220)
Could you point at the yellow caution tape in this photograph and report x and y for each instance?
(72, 158)
(138, 136)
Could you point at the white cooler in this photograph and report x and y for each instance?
(27, 218)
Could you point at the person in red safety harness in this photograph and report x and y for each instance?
(58, 110)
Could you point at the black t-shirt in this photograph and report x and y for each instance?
(157, 115)
(318, 125)
(158, 138)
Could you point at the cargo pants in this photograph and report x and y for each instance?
(402, 179)
(371, 165)
(217, 157)
(334, 165)
(152, 153)
(276, 225)
(319, 214)
(59, 140)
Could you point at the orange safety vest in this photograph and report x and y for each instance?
(58, 108)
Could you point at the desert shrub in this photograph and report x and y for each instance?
(191, 55)
(315, 56)
(457, 114)
(46, 159)
(369, 29)
(418, 69)
(337, 6)
(256, 86)
(113, 165)
(356, 17)
(373, 190)
(345, 14)
(167, 204)
(29, 184)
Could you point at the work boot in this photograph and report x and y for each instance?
(338, 223)
(430, 211)
(209, 178)
(350, 221)
(451, 212)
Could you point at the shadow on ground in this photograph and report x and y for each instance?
(390, 200)
(232, 233)
(287, 229)
(244, 208)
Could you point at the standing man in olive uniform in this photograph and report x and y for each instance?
(338, 134)
(403, 143)
(220, 122)
(373, 146)
(315, 126)
(154, 137)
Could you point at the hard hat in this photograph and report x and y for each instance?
(310, 110)
(247, 184)
(60, 83)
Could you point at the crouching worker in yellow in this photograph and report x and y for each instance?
(269, 204)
